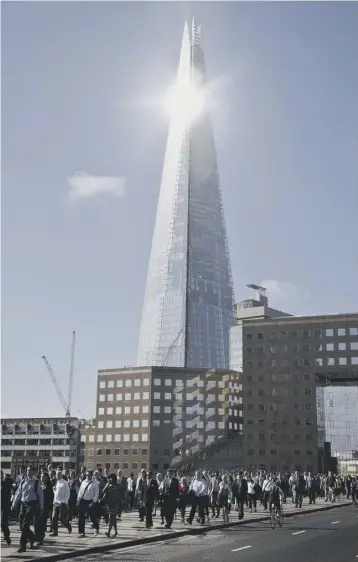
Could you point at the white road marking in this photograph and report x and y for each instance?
(298, 532)
(335, 522)
(242, 548)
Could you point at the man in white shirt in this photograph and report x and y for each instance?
(198, 489)
(60, 505)
(266, 489)
(87, 503)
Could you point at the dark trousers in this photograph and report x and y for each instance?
(84, 508)
(252, 500)
(197, 502)
(169, 509)
(30, 514)
(312, 495)
(149, 514)
(215, 508)
(5, 521)
(266, 496)
(240, 505)
(60, 512)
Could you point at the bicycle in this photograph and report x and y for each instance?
(276, 517)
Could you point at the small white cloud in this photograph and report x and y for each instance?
(286, 296)
(87, 186)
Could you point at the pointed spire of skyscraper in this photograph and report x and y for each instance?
(189, 299)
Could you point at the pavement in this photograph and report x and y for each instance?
(194, 540)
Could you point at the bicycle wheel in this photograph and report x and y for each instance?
(280, 518)
(273, 518)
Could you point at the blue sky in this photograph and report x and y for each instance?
(77, 79)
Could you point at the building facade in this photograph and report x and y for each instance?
(39, 442)
(281, 358)
(156, 417)
(188, 305)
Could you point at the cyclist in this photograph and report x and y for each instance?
(276, 495)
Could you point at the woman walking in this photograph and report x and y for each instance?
(183, 492)
(112, 497)
(224, 497)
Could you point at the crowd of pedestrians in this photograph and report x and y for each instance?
(51, 496)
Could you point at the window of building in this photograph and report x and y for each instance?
(90, 452)
(341, 332)
(319, 361)
(260, 336)
(128, 383)
(260, 350)
(102, 397)
(110, 384)
(119, 397)
(128, 396)
(354, 360)
(145, 395)
(297, 453)
(156, 423)
(118, 424)
(117, 437)
(342, 361)
(353, 331)
(127, 410)
(100, 425)
(145, 382)
(261, 436)
(99, 438)
(329, 346)
(91, 438)
(127, 423)
(330, 361)
(136, 409)
(118, 410)
(101, 411)
(306, 333)
(144, 423)
(108, 438)
(167, 396)
(306, 362)
(329, 333)
(119, 384)
(156, 409)
(110, 397)
(354, 345)
(168, 382)
(109, 424)
(249, 336)
(135, 437)
(156, 395)
(167, 410)
(341, 346)
(99, 452)
(273, 451)
(249, 422)
(308, 391)
(144, 437)
(157, 382)
(249, 350)
(108, 452)
(102, 384)
(136, 382)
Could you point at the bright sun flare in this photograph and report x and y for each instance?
(184, 102)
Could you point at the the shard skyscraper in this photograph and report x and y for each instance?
(189, 297)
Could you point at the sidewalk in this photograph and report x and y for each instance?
(132, 532)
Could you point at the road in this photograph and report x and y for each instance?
(330, 536)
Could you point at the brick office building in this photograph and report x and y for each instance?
(156, 417)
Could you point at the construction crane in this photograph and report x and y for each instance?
(66, 405)
(170, 349)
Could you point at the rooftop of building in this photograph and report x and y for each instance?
(163, 369)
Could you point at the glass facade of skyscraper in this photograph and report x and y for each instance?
(189, 298)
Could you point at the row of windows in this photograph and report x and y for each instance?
(118, 424)
(280, 377)
(116, 452)
(284, 391)
(189, 424)
(109, 438)
(128, 397)
(301, 362)
(274, 422)
(123, 383)
(279, 407)
(117, 465)
(275, 452)
(190, 383)
(305, 348)
(328, 333)
(118, 410)
(274, 437)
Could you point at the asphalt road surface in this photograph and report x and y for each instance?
(328, 536)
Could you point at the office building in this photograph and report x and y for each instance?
(39, 442)
(156, 417)
(289, 408)
(189, 303)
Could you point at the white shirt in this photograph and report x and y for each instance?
(129, 484)
(267, 486)
(250, 488)
(199, 487)
(89, 491)
(61, 492)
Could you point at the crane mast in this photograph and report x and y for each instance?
(170, 349)
(70, 378)
(55, 383)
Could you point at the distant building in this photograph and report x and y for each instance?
(39, 442)
(156, 417)
(288, 412)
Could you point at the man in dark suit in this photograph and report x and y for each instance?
(170, 497)
(6, 488)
